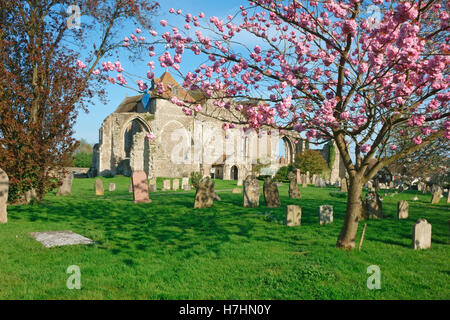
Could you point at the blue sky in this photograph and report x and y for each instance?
(87, 125)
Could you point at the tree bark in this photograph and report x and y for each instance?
(347, 236)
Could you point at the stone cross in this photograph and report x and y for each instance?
(294, 193)
(271, 195)
(422, 235)
(99, 191)
(325, 214)
(65, 189)
(140, 187)
(204, 196)
(293, 215)
(251, 192)
(402, 209)
(4, 188)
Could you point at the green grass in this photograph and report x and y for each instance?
(168, 250)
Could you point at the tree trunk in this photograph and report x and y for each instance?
(347, 237)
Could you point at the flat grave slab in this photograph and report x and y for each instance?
(60, 238)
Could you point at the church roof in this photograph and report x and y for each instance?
(129, 104)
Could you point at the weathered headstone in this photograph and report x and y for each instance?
(112, 187)
(187, 187)
(448, 196)
(166, 185)
(344, 185)
(271, 195)
(251, 192)
(293, 215)
(99, 191)
(140, 187)
(175, 184)
(204, 196)
(372, 206)
(325, 214)
(308, 180)
(304, 181)
(236, 190)
(322, 183)
(184, 182)
(402, 209)
(294, 193)
(239, 183)
(299, 177)
(437, 192)
(130, 187)
(4, 188)
(315, 180)
(65, 189)
(60, 238)
(420, 186)
(422, 235)
(152, 187)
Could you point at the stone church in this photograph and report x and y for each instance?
(181, 144)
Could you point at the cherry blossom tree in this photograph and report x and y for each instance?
(351, 71)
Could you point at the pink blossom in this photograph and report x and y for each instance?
(417, 140)
(163, 23)
(150, 136)
(366, 148)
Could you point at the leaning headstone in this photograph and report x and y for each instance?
(112, 187)
(372, 207)
(184, 182)
(293, 215)
(271, 195)
(251, 192)
(166, 185)
(65, 189)
(204, 197)
(294, 193)
(236, 190)
(437, 192)
(422, 235)
(4, 188)
(402, 209)
(140, 187)
(99, 191)
(325, 214)
(344, 185)
(175, 184)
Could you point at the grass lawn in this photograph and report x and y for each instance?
(168, 250)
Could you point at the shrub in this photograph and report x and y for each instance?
(82, 159)
(312, 161)
(195, 178)
(282, 174)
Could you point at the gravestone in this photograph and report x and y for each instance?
(448, 196)
(271, 195)
(99, 191)
(437, 192)
(293, 215)
(239, 183)
(4, 188)
(308, 180)
(420, 186)
(140, 187)
(251, 192)
(325, 214)
(112, 187)
(322, 183)
(60, 238)
(372, 207)
(294, 193)
(130, 187)
(304, 181)
(369, 185)
(236, 190)
(415, 198)
(402, 209)
(166, 185)
(184, 182)
(204, 196)
(344, 185)
(152, 187)
(176, 184)
(65, 189)
(422, 235)
(315, 180)
(187, 187)
(299, 177)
